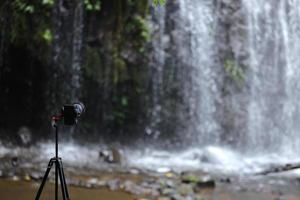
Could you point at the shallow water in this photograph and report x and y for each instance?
(210, 159)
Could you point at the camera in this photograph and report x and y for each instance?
(71, 113)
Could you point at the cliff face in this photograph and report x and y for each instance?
(188, 73)
(54, 52)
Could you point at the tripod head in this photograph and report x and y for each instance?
(69, 115)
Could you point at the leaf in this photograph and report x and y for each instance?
(29, 9)
(159, 2)
(48, 2)
(47, 36)
(89, 7)
(97, 6)
(124, 101)
(234, 71)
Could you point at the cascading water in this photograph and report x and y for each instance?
(273, 45)
(77, 49)
(270, 114)
(197, 23)
(156, 74)
(184, 64)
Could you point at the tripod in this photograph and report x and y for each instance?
(59, 171)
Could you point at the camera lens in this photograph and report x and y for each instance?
(79, 108)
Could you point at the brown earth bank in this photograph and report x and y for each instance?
(21, 190)
(169, 186)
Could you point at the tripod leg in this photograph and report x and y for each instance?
(56, 180)
(50, 164)
(63, 177)
(62, 181)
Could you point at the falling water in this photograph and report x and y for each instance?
(67, 52)
(273, 45)
(77, 49)
(4, 23)
(184, 50)
(156, 73)
(268, 100)
(197, 21)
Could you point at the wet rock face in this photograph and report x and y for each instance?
(231, 19)
(231, 40)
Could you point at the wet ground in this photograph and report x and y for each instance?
(135, 185)
(21, 171)
(24, 190)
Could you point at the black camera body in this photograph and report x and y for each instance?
(71, 113)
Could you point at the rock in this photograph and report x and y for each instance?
(75, 182)
(14, 161)
(185, 189)
(101, 183)
(35, 176)
(116, 155)
(177, 197)
(169, 175)
(92, 182)
(111, 156)
(170, 184)
(198, 181)
(190, 178)
(206, 181)
(25, 135)
(199, 197)
(167, 191)
(163, 170)
(129, 186)
(104, 153)
(26, 177)
(15, 178)
(134, 171)
(137, 189)
(113, 184)
(225, 180)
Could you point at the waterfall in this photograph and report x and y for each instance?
(261, 116)
(185, 61)
(77, 49)
(273, 44)
(271, 41)
(197, 52)
(156, 73)
(67, 52)
(4, 23)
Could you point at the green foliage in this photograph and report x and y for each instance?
(234, 71)
(47, 36)
(159, 2)
(190, 179)
(120, 109)
(91, 5)
(141, 25)
(48, 2)
(23, 6)
(124, 101)
(30, 23)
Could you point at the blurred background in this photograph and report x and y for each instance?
(176, 85)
